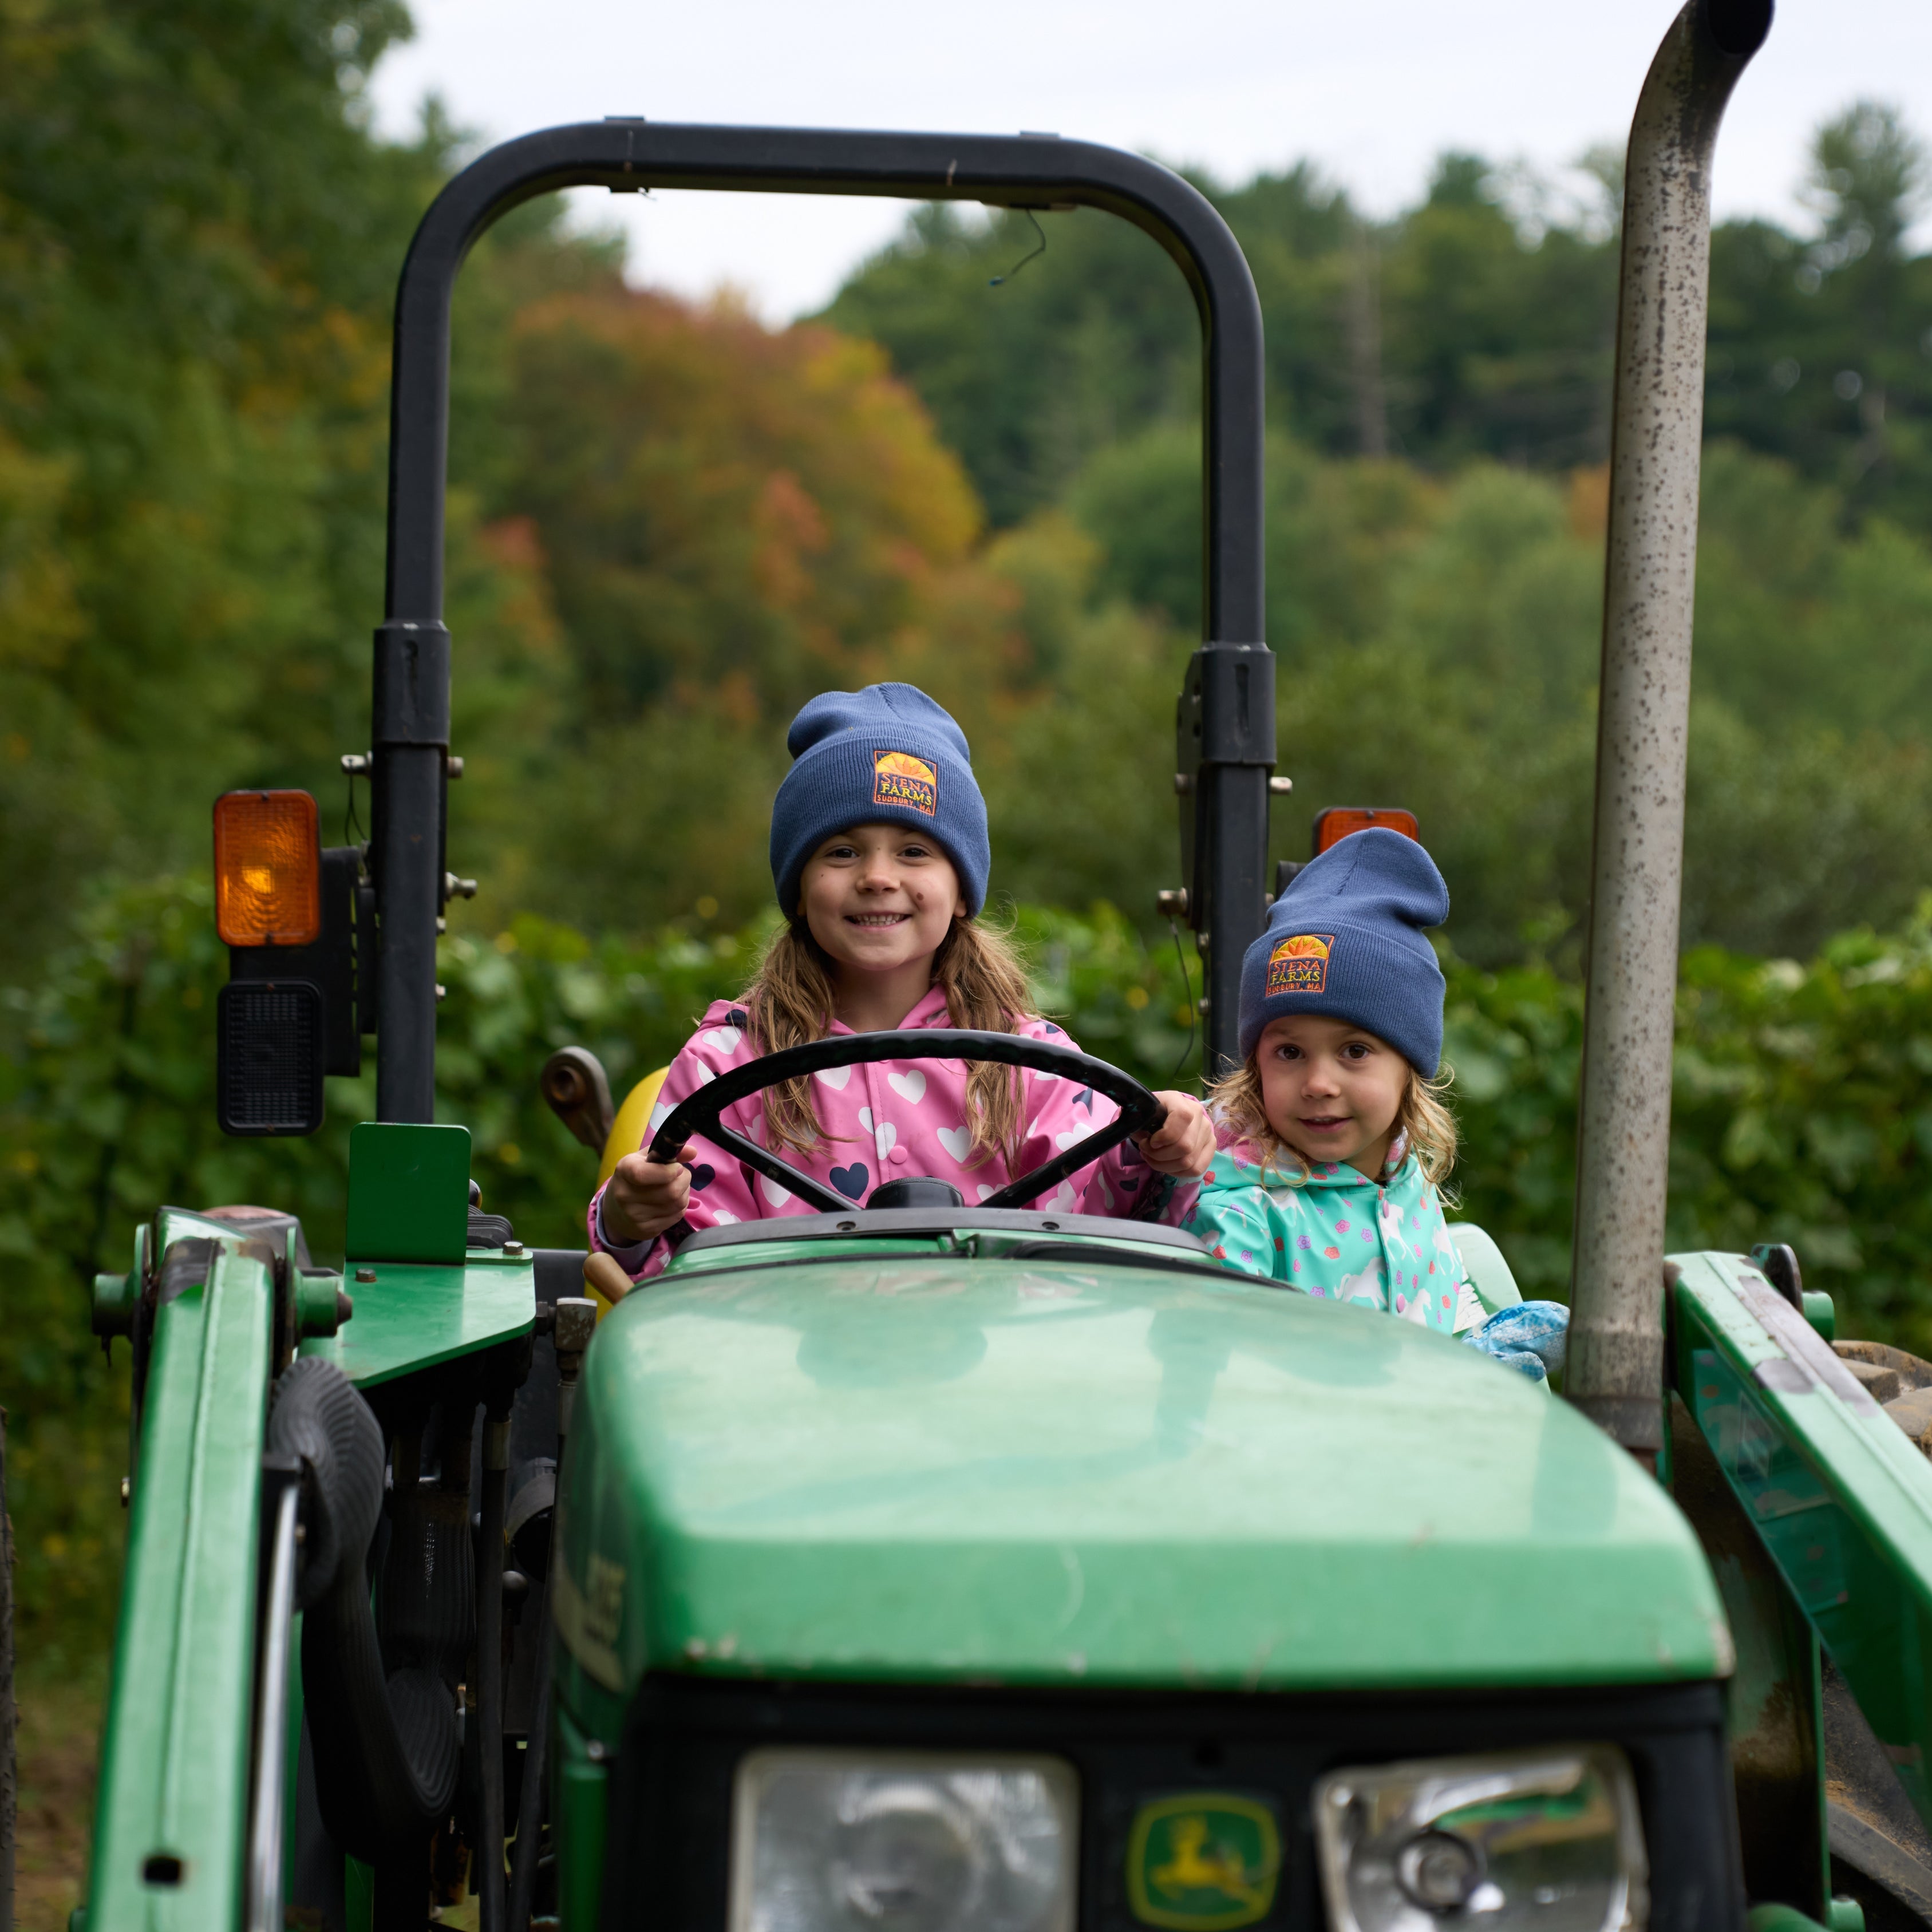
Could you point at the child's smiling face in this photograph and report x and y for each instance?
(879, 898)
(1331, 1090)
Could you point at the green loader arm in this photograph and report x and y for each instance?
(1828, 1591)
(214, 1313)
(170, 1824)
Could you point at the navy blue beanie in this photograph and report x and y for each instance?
(884, 755)
(1346, 939)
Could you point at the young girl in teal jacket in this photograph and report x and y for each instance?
(1333, 1142)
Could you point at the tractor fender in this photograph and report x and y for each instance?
(387, 1748)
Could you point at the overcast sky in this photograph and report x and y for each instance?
(1371, 93)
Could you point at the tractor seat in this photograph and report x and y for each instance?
(1483, 1262)
(628, 1125)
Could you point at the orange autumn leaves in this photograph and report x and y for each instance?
(717, 499)
(724, 519)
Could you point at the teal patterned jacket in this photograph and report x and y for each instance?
(1338, 1236)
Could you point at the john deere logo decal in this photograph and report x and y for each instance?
(1206, 1862)
(1299, 965)
(899, 778)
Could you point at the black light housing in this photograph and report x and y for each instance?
(269, 1057)
(289, 1015)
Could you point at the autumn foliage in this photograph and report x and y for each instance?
(727, 519)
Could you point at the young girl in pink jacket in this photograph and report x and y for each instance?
(879, 853)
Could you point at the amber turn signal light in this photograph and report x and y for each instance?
(267, 868)
(1335, 824)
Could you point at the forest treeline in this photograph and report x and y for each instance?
(670, 522)
(1478, 324)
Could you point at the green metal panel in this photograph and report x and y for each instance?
(784, 1254)
(1841, 1915)
(292, 1759)
(174, 1777)
(946, 1469)
(358, 1895)
(412, 1315)
(982, 1243)
(1774, 1713)
(1840, 1496)
(409, 1192)
(581, 1794)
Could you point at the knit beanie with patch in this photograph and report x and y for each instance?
(1346, 940)
(887, 755)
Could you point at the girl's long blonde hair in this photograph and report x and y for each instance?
(1428, 1125)
(790, 999)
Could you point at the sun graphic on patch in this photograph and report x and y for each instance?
(1300, 964)
(900, 778)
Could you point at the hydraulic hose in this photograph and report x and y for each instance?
(530, 1806)
(490, 1671)
(574, 1325)
(281, 1495)
(1615, 1373)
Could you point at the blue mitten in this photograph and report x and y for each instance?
(1529, 1338)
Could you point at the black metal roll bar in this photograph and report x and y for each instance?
(1227, 707)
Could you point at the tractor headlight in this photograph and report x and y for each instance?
(879, 1841)
(1523, 1841)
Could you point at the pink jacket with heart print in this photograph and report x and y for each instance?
(893, 1118)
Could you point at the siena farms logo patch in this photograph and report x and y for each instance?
(1205, 1862)
(1299, 965)
(900, 778)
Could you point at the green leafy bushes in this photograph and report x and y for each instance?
(1803, 1113)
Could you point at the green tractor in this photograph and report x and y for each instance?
(913, 1568)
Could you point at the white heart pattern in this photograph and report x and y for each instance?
(660, 1113)
(887, 1135)
(1063, 1197)
(958, 1141)
(834, 1077)
(987, 1190)
(908, 1086)
(702, 1074)
(726, 1040)
(724, 1217)
(1071, 1138)
(777, 1195)
(865, 1118)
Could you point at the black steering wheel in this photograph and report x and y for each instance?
(1140, 1112)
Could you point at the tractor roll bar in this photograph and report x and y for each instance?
(1234, 673)
(1616, 1350)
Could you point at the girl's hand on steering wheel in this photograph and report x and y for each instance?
(645, 1196)
(1184, 1144)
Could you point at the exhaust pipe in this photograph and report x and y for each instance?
(1616, 1346)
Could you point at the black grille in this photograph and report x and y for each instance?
(269, 1059)
(670, 1804)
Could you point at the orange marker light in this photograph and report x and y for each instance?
(267, 868)
(1335, 823)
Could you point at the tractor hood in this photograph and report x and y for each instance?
(949, 1469)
